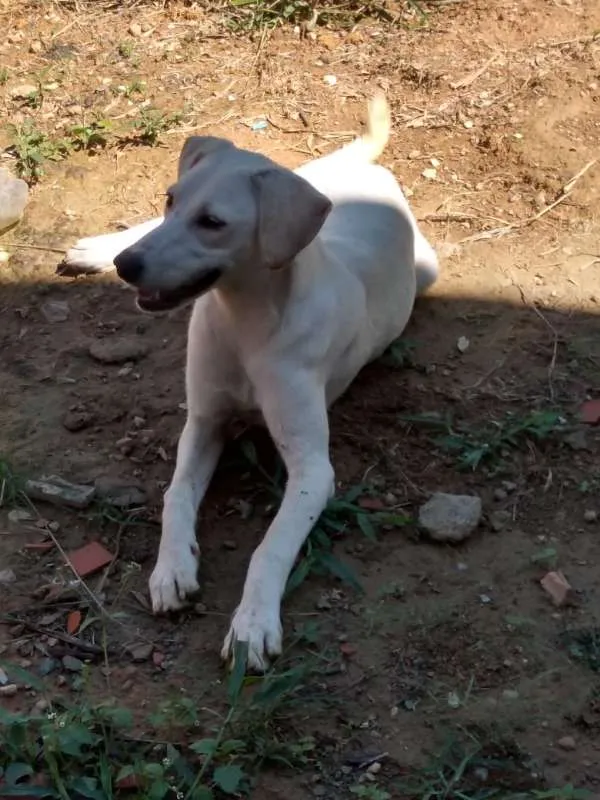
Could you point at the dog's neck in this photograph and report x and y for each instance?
(257, 299)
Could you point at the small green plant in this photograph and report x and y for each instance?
(4, 76)
(125, 49)
(400, 353)
(32, 148)
(90, 136)
(95, 752)
(152, 123)
(340, 515)
(490, 444)
(11, 493)
(370, 791)
(480, 765)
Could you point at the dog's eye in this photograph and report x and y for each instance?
(211, 222)
(168, 201)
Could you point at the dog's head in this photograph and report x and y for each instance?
(230, 212)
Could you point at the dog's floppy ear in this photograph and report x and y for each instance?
(195, 148)
(291, 212)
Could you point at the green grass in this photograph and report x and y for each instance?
(490, 444)
(98, 751)
(341, 515)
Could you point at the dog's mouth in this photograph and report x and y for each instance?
(165, 299)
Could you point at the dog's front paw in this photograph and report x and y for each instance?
(259, 625)
(91, 255)
(172, 582)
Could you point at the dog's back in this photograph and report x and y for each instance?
(360, 189)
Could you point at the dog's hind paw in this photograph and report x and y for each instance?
(92, 255)
(172, 583)
(260, 627)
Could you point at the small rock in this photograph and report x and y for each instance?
(374, 768)
(557, 586)
(499, 520)
(7, 576)
(430, 173)
(510, 694)
(22, 92)
(500, 494)
(118, 350)
(509, 486)
(3, 677)
(36, 46)
(462, 344)
(120, 493)
(77, 420)
(590, 515)
(577, 440)
(18, 519)
(56, 310)
(72, 664)
(46, 666)
(135, 29)
(9, 690)
(414, 154)
(567, 743)
(450, 517)
(229, 544)
(53, 489)
(330, 80)
(140, 651)
(13, 198)
(40, 706)
(200, 609)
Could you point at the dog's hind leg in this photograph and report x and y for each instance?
(96, 253)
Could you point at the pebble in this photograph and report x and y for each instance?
(119, 493)
(500, 494)
(135, 29)
(3, 677)
(9, 690)
(72, 664)
(77, 420)
(229, 544)
(118, 350)
(590, 515)
(510, 694)
(499, 520)
(56, 310)
(567, 743)
(450, 517)
(56, 490)
(7, 576)
(141, 651)
(14, 194)
(374, 768)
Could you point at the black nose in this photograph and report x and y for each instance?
(130, 265)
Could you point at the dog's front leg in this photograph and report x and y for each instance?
(295, 411)
(175, 573)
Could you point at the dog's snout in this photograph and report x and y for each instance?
(130, 265)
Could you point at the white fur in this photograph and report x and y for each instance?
(287, 342)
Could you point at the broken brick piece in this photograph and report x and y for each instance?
(557, 586)
(590, 412)
(73, 622)
(89, 559)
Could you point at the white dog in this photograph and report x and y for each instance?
(299, 280)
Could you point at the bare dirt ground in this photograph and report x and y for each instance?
(497, 120)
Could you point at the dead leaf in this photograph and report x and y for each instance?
(73, 622)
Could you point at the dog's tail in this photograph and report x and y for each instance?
(372, 143)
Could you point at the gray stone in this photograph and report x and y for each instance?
(55, 490)
(7, 576)
(120, 493)
(13, 199)
(450, 517)
(118, 350)
(56, 310)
